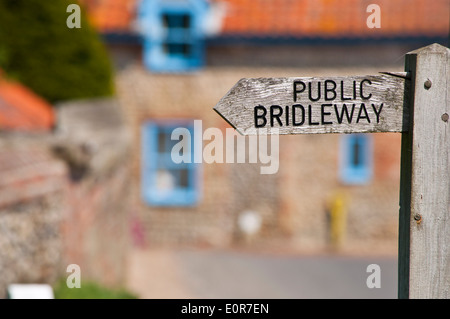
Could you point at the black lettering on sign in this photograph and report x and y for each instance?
(286, 112)
(328, 90)
(276, 115)
(377, 112)
(365, 116)
(361, 90)
(323, 114)
(310, 91)
(294, 117)
(297, 90)
(343, 98)
(310, 122)
(260, 116)
(340, 116)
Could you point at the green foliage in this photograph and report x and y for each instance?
(89, 290)
(38, 49)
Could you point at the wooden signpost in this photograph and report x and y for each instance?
(416, 103)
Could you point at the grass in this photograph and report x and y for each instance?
(90, 290)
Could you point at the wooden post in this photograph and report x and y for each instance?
(424, 223)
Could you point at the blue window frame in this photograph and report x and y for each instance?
(165, 182)
(356, 163)
(173, 34)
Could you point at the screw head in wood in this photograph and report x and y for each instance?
(444, 117)
(418, 218)
(427, 84)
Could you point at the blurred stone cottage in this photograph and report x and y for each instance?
(175, 59)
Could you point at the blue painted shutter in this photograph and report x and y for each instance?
(356, 162)
(164, 182)
(173, 35)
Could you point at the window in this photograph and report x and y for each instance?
(356, 163)
(178, 41)
(164, 182)
(173, 36)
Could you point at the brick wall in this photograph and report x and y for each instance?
(310, 181)
(31, 202)
(93, 140)
(95, 228)
(64, 198)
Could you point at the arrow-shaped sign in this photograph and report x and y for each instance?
(304, 105)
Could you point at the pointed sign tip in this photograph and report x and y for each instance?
(215, 108)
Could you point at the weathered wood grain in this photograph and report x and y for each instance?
(237, 107)
(424, 225)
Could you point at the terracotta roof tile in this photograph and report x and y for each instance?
(111, 15)
(336, 17)
(21, 109)
(298, 18)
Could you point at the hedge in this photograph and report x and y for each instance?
(39, 50)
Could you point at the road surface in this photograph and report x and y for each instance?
(221, 274)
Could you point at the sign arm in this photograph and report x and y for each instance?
(316, 105)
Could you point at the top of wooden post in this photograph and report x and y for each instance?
(432, 48)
